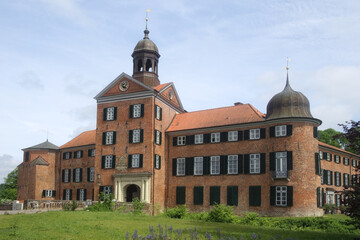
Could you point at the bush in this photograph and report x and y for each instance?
(221, 213)
(177, 212)
(202, 216)
(103, 206)
(69, 206)
(138, 206)
(250, 217)
(329, 208)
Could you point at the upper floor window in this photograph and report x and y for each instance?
(110, 114)
(49, 193)
(66, 175)
(67, 155)
(198, 166)
(346, 179)
(78, 154)
(215, 165)
(232, 136)
(255, 163)
(232, 164)
(321, 156)
(157, 137)
(91, 173)
(280, 131)
(328, 157)
(157, 161)
(91, 153)
(158, 112)
(137, 111)
(108, 161)
(136, 135)
(181, 140)
(180, 166)
(77, 174)
(353, 162)
(135, 161)
(215, 137)
(255, 133)
(346, 161)
(337, 158)
(199, 138)
(109, 138)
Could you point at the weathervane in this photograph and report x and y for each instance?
(147, 17)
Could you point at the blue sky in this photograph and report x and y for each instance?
(56, 55)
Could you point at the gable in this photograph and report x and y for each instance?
(170, 94)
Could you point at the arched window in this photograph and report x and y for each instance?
(148, 65)
(140, 66)
(155, 67)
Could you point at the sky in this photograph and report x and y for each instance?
(56, 55)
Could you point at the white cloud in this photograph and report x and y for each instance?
(29, 80)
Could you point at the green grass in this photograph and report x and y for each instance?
(113, 225)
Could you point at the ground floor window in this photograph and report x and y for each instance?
(281, 196)
(81, 195)
(329, 197)
(67, 195)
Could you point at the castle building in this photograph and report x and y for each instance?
(147, 146)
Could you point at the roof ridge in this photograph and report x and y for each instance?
(336, 148)
(257, 111)
(203, 110)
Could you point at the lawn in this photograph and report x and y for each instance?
(113, 225)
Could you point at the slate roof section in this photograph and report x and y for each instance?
(83, 139)
(39, 161)
(44, 145)
(242, 113)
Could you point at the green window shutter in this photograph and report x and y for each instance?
(141, 135)
(174, 166)
(318, 197)
(180, 195)
(207, 138)
(262, 163)
(206, 165)
(141, 161)
(232, 195)
(272, 161)
(159, 162)
(129, 161)
(262, 133)
(255, 196)
(288, 130)
(315, 132)
(223, 164)
(223, 136)
(74, 174)
(190, 140)
(104, 114)
(289, 160)
(289, 193)
(115, 117)
(53, 193)
(160, 114)
(85, 196)
(246, 163)
(142, 110)
(240, 163)
(77, 194)
(43, 194)
(70, 194)
(114, 138)
(81, 174)
(189, 166)
(272, 195)
(113, 162)
(131, 111)
(64, 194)
(246, 134)
(317, 164)
(198, 195)
(63, 175)
(104, 138)
(103, 162)
(214, 195)
(88, 174)
(331, 177)
(130, 136)
(272, 131)
(174, 141)
(240, 135)
(339, 179)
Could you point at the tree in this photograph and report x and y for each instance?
(8, 190)
(328, 136)
(352, 135)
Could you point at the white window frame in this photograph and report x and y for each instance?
(281, 163)
(281, 196)
(215, 165)
(233, 136)
(110, 113)
(215, 137)
(158, 112)
(92, 174)
(180, 167)
(66, 175)
(67, 155)
(337, 178)
(67, 194)
(157, 161)
(48, 193)
(255, 163)
(330, 197)
(181, 140)
(233, 164)
(108, 161)
(254, 133)
(82, 195)
(135, 161)
(328, 156)
(107, 190)
(136, 110)
(346, 180)
(199, 138)
(77, 174)
(337, 158)
(157, 137)
(353, 162)
(136, 136)
(198, 165)
(321, 155)
(92, 154)
(280, 131)
(328, 177)
(338, 200)
(78, 154)
(346, 161)
(109, 138)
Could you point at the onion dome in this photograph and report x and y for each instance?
(288, 104)
(146, 44)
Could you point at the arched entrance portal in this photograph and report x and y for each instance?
(132, 191)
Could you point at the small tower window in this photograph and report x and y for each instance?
(155, 67)
(140, 66)
(148, 65)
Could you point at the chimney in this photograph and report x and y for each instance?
(238, 103)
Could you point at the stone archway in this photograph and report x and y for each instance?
(132, 191)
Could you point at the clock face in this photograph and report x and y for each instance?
(124, 85)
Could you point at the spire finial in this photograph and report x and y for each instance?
(287, 72)
(146, 29)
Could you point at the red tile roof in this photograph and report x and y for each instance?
(83, 139)
(242, 113)
(161, 86)
(336, 148)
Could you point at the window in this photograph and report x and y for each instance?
(215, 137)
(180, 195)
(255, 133)
(48, 193)
(91, 152)
(233, 164)
(199, 138)
(77, 175)
(232, 136)
(136, 136)
(135, 160)
(157, 161)
(137, 111)
(254, 163)
(157, 137)
(198, 166)
(255, 196)
(26, 159)
(198, 195)
(329, 177)
(67, 155)
(91, 174)
(214, 195)
(232, 195)
(158, 112)
(108, 161)
(180, 167)
(109, 138)
(67, 194)
(281, 164)
(321, 155)
(107, 190)
(281, 196)
(81, 195)
(214, 165)
(328, 157)
(109, 114)
(280, 131)
(337, 179)
(346, 161)
(78, 154)
(338, 200)
(353, 162)
(181, 140)
(322, 176)
(337, 158)
(329, 197)
(66, 175)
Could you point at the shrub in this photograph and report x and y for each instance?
(69, 206)
(138, 206)
(202, 216)
(103, 206)
(329, 208)
(249, 217)
(177, 212)
(221, 213)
